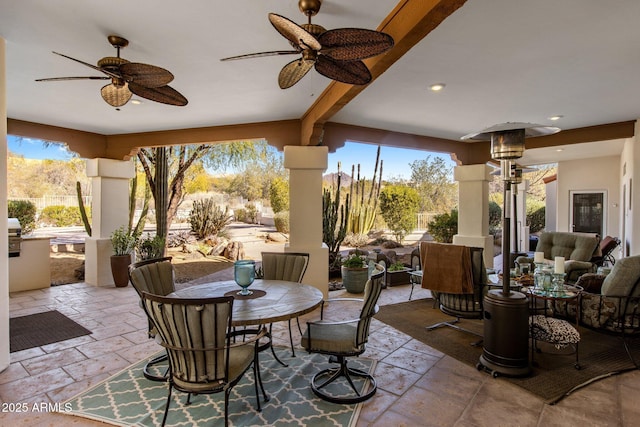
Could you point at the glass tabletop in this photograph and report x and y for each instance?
(564, 292)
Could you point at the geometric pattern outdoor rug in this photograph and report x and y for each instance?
(129, 399)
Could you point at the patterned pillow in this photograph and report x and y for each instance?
(558, 332)
(591, 282)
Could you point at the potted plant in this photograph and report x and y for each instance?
(123, 242)
(397, 274)
(355, 273)
(150, 247)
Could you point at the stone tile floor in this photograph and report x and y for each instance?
(417, 385)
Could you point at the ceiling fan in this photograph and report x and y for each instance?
(146, 81)
(336, 54)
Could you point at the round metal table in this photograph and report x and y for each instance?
(282, 300)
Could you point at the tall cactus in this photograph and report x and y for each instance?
(363, 213)
(335, 217)
(83, 211)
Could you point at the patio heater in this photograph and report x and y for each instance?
(506, 313)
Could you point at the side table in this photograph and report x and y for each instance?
(557, 332)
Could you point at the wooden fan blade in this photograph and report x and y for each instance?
(108, 73)
(293, 72)
(352, 44)
(294, 32)
(350, 72)
(57, 79)
(116, 96)
(163, 94)
(145, 74)
(261, 54)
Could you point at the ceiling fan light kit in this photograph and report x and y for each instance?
(146, 81)
(336, 54)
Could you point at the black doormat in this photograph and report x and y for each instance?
(35, 330)
(553, 378)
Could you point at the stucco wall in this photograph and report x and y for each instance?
(596, 174)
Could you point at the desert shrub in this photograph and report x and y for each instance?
(356, 240)
(240, 214)
(252, 213)
(207, 219)
(281, 221)
(25, 211)
(536, 218)
(279, 195)
(399, 206)
(495, 217)
(179, 238)
(444, 226)
(60, 216)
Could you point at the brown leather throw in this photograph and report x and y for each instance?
(446, 268)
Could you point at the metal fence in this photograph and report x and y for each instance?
(424, 218)
(43, 202)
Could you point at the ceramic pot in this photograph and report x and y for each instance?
(120, 269)
(354, 279)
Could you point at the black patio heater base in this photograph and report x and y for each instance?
(506, 338)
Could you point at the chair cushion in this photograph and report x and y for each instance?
(623, 277)
(571, 246)
(240, 359)
(558, 332)
(328, 338)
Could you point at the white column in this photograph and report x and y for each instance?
(109, 211)
(4, 239)
(473, 209)
(522, 245)
(306, 166)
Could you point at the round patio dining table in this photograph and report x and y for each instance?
(271, 301)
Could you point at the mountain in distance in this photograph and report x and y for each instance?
(332, 178)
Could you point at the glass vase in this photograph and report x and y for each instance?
(244, 273)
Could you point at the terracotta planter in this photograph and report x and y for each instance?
(120, 269)
(354, 279)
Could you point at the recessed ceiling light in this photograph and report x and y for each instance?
(136, 101)
(437, 87)
(554, 118)
(559, 149)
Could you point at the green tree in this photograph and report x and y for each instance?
(433, 179)
(166, 171)
(399, 207)
(279, 195)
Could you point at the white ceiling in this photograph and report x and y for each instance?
(502, 60)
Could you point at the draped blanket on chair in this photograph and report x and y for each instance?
(446, 268)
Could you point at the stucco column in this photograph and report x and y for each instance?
(522, 244)
(306, 166)
(473, 209)
(4, 239)
(109, 211)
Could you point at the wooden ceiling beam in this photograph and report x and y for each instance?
(408, 23)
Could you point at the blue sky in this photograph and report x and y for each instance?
(395, 160)
(34, 149)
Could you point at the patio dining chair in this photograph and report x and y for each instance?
(343, 339)
(289, 266)
(203, 359)
(154, 276)
(457, 279)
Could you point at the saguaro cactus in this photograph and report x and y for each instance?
(335, 218)
(363, 213)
